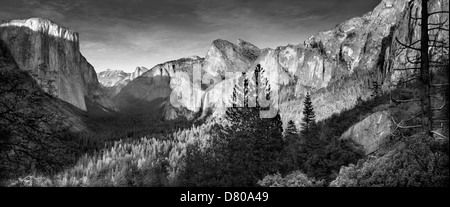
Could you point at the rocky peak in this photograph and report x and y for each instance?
(111, 73)
(50, 54)
(138, 72)
(111, 78)
(337, 66)
(43, 25)
(224, 56)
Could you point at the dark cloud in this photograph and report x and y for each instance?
(123, 34)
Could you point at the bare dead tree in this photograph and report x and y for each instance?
(431, 54)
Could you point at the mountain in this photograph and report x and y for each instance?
(110, 78)
(338, 67)
(335, 66)
(51, 54)
(138, 72)
(224, 56)
(173, 84)
(114, 80)
(151, 91)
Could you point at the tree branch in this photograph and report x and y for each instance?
(438, 12)
(407, 46)
(443, 137)
(440, 108)
(405, 127)
(405, 101)
(413, 68)
(438, 28)
(439, 85)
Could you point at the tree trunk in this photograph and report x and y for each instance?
(425, 70)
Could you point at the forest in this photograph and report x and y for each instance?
(240, 150)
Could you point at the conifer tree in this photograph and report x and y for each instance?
(291, 138)
(309, 143)
(309, 118)
(291, 130)
(248, 147)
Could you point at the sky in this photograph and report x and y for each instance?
(124, 34)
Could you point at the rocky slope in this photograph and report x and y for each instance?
(151, 91)
(138, 72)
(111, 78)
(114, 80)
(337, 66)
(224, 56)
(334, 65)
(178, 87)
(51, 54)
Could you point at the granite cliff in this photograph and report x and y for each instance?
(51, 54)
(13, 101)
(188, 86)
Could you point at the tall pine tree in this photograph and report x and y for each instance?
(291, 138)
(309, 118)
(248, 147)
(309, 143)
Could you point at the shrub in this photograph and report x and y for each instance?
(295, 179)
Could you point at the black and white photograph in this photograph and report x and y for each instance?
(224, 93)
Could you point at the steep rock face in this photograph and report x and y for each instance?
(351, 52)
(151, 91)
(224, 56)
(371, 132)
(114, 80)
(337, 66)
(51, 54)
(14, 76)
(138, 72)
(407, 31)
(187, 85)
(393, 56)
(223, 65)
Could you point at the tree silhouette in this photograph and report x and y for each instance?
(310, 143)
(291, 137)
(308, 125)
(246, 147)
